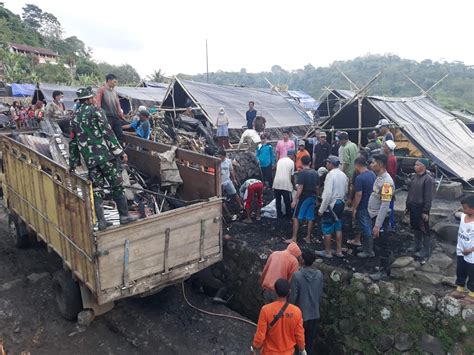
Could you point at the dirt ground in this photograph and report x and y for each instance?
(158, 324)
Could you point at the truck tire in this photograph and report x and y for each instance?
(19, 232)
(67, 294)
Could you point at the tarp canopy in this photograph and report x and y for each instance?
(137, 96)
(434, 131)
(45, 91)
(210, 97)
(305, 100)
(22, 90)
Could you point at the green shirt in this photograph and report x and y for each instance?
(349, 154)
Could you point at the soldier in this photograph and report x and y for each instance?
(93, 139)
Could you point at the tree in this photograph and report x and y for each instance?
(126, 74)
(157, 76)
(32, 15)
(43, 22)
(87, 67)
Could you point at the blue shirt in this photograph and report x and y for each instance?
(265, 155)
(364, 182)
(142, 128)
(250, 115)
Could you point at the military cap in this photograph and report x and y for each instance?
(85, 93)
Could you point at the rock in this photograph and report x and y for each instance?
(374, 289)
(447, 231)
(429, 278)
(10, 284)
(358, 285)
(85, 317)
(468, 313)
(429, 267)
(403, 273)
(464, 329)
(457, 349)
(346, 326)
(403, 342)
(440, 260)
(449, 281)
(335, 276)
(402, 262)
(449, 190)
(449, 306)
(5, 309)
(387, 289)
(385, 313)
(428, 302)
(361, 297)
(430, 344)
(416, 265)
(353, 343)
(34, 277)
(410, 295)
(384, 342)
(364, 278)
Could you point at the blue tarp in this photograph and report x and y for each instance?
(22, 90)
(307, 101)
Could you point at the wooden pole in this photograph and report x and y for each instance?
(359, 138)
(207, 64)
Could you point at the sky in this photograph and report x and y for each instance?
(256, 35)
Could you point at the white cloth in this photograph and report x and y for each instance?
(250, 136)
(465, 239)
(284, 171)
(335, 188)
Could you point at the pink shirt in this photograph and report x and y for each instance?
(283, 147)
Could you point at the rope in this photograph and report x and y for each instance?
(215, 314)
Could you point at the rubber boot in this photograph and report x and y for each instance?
(368, 248)
(99, 213)
(416, 245)
(425, 250)
(122, 207)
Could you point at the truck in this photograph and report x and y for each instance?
(45, 201)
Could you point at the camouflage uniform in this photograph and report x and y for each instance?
(93, 139)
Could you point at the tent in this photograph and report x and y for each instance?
(304, 99)
(22, 90)
(208, 98)
(45, 91)
(132, 97)
(435, 132)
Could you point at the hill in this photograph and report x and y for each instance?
(456, 91)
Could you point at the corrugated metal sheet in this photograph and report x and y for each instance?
(438, 134)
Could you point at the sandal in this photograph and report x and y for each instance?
(351, 242)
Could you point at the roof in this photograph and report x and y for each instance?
(307, 101)
(154, 84)
(37, 50)
(277, 111)
(437, 133)
(146, 95)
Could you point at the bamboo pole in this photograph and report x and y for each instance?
(359, 135)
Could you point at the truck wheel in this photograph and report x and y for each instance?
(19, 232)
(67, 294)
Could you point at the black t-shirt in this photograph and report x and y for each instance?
(309, 178)
(322, 151)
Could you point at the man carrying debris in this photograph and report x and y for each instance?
(283, 184)
(382, 126)
(280, 265)
(250, 137)
(141, 126)
(250, 115)
(332, 207)
(321, 151)
(108, 100)
(249, 189)
(378, 208)
(305, 293)
(418, 205)
(93, 139)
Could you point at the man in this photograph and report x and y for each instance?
(283, 184)
(336, 145)
(141, 125)
(284, 145)
(363, 185)
(378, 208)
(228, 178)
(332, 207)
(302, 152)
(249, 189)
(382, 126)
(108, 100)
(280, 265)
(389, 149)
(373, 146)
(280, 325)
(266, 158)
(307, 182)
(189, 112)
(305, 293)
(93, 139)
(55, 110)
(418, 205)
(321, 151)
(349, 154)
(250, 115)
(252, 138)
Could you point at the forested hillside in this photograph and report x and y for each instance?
(456, 91)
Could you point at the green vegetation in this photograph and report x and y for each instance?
(456, 91)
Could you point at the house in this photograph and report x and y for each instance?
(44, 55)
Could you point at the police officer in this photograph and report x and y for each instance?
(93, 139)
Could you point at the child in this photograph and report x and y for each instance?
(465, 253)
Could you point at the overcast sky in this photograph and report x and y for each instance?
(255, 35)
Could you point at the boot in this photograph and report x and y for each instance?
(99, 213)
(425, 250)
(122, 207)
(416, 245)
(368, 248)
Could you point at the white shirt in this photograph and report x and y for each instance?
(250, 136)
(335, 188)
(465, 239)
(284, 171)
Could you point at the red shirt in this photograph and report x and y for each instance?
(392, 166)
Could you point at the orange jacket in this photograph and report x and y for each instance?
(300, 154)
(280, 265)
(286, 333)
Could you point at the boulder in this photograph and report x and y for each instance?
(411, 296)
(429, 302)
(430, 344)
(449, 306)
(449, 281)
(403, 342)
(403, 273)
(449, 190)
(384, 342)
(428, 277)
(429, 267)
(402, 261)
(387, 289)
(441, 260)
(373, 289)
(468, 313)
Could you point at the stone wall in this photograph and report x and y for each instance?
(359, 316)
